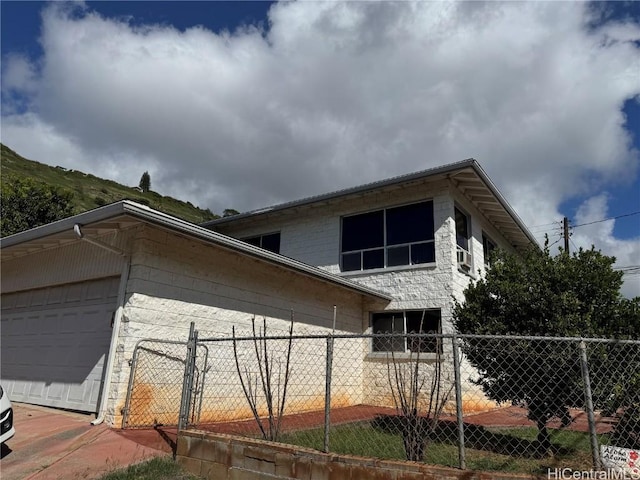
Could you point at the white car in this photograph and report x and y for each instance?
(6, 418)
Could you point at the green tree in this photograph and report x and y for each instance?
(145, 182)
(537, 294)
(229, 212)
(27, 204)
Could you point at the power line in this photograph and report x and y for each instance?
(557, 229)
(552, 232)
(558, 224)
(628, 273)
(627, 268)
(546, 224)
(574, 245)
(605, 219)
(560, 238)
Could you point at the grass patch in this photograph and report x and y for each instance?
(158, 468)
(504, 450)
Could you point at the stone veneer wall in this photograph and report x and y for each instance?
(226, 457)
(313, 236)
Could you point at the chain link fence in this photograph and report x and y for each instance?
(156, 383)
(517, 404)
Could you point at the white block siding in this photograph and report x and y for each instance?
(174, 280)
(313, 236)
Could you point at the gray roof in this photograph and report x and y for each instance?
(125, 214)
(467, 176)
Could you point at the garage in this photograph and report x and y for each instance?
(55, 342)
(79, 294)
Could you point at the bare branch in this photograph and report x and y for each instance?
(251, 400)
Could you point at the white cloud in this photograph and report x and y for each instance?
(19, 75)
(335, 95)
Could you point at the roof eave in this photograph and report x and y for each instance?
(503, 202)
(148, 215)
(442, 170)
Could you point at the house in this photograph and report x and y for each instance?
(419, 238)
(78, 294)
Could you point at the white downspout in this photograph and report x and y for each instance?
(115, 334)
(117, 319)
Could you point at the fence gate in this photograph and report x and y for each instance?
(155, 384)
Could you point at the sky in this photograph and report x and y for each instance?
(245, 105)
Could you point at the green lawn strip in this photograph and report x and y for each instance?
(158, 468)
(571, 449)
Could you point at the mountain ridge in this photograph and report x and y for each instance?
(91, 192)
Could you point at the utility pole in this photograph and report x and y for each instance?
(565, 227)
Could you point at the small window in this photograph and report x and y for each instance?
(392, 323)
(488, 246)
(463, 229)
(269, 241)
(410, 321)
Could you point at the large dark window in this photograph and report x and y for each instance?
(391, 237)
(409, 321)
(269, 241)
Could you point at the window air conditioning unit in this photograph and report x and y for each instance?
(464, 259)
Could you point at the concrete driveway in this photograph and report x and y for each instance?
(51, 444)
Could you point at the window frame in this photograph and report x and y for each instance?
(375, 349)
(412, 247)
(469, 234)
(261, 240)
(486, 251)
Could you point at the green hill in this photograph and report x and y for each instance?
(90, 192)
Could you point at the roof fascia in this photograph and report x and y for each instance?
(496, 193)
(154, 217)
(85, 218)
(442, 170)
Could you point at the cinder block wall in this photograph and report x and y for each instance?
(313, 236)
(226, 457)
(174, 280)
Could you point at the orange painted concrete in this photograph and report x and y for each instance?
(54, 444)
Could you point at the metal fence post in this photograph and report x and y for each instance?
(460, 420)
(327, 393)
(187, 383)
(584, 366)
(132, 371)
(200, 391)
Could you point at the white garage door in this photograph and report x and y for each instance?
(55, 341)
